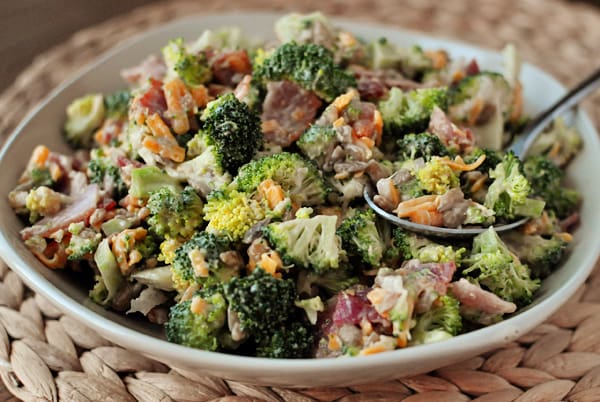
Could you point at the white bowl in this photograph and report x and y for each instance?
(43, 125)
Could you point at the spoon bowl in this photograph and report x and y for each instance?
(520, 147)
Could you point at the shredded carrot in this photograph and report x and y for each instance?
(439, 58)
(407, 212)
(460, 165)
(565, 236)
(367, 141)
(402, 340)
(371, 350)
(175, 92)
(198, 305)
(458, 75)
(475, 111)
(39, 156)
(200, 95)
(378, 121)
(54, 256)
(553, 153)
(344, 100)
(272, 192)
(198, 263)
(164, 148)
(479, 183)
(517, 104)
(417, 201)
(271, 262)
(430, 217)
(339, 122)
(334, 342)
(394, 194)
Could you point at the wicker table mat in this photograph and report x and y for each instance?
(45, 355)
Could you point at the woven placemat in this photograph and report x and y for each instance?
(45, 355)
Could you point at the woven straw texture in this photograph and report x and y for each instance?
(46, 356)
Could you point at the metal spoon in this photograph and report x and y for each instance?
(520, 147)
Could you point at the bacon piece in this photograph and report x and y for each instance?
(152, 67)
(374, 84)
(149, 102)
(449, 133)
(288, 110)
(472, 296)
(79, 210)
(230, 67)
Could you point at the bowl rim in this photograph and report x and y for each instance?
(166, 351)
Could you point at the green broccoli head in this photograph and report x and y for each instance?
(202, 171)
(407, 246)
(192, 69)
(545, 178)
(479, 86)
(332, 281)
(197, 322)
(360, 237)
(148, 179)
(174, 214)
(424, 145)
(317, 143)
(311, 66)
(232, 213)
(41, 176)
(442, 322)
(116, 104)
(560, 143)
(298, 177)
(84, 116)
(507, 195)
(103, 171)
(492, 159)
(436, 177)
(408, 112)
(412, 61)
(307, 242)
(400, 248)
(198, 261)
(494, 266)
(262, 302)
(293, 341)
(83, 242)
(542, 255)
(234, 129)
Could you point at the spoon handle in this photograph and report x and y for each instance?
(522, 143)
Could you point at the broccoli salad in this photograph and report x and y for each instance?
(220, 193)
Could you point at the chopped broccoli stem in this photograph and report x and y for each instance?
(84, 115)
(147, 179)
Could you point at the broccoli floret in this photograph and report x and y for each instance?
(233, 129)
(541, 255)
(192, 69)
(202, 171)
(332, 281)
(174, 214)
(507, 195)
(311, 66)
(198, 322)
(198, 261)
(148, 179)
(436, 177)
(117, 104)
(298, 177)
(262, 302)
(103, 171)
(408, 112)
(43, 201)
(424, 145)
(41, 177)
(293, 341)
(477, 214)
(412, 61)
(84, 115)
(406, 246)
(317, 143)
(83, 242)
(306, 28)
(494, 266)
(228, 38)
(309, 242)
(360, 237)
(442, 322)
(231, 213)
(492, 159)
(560, 143)
(545, 178)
